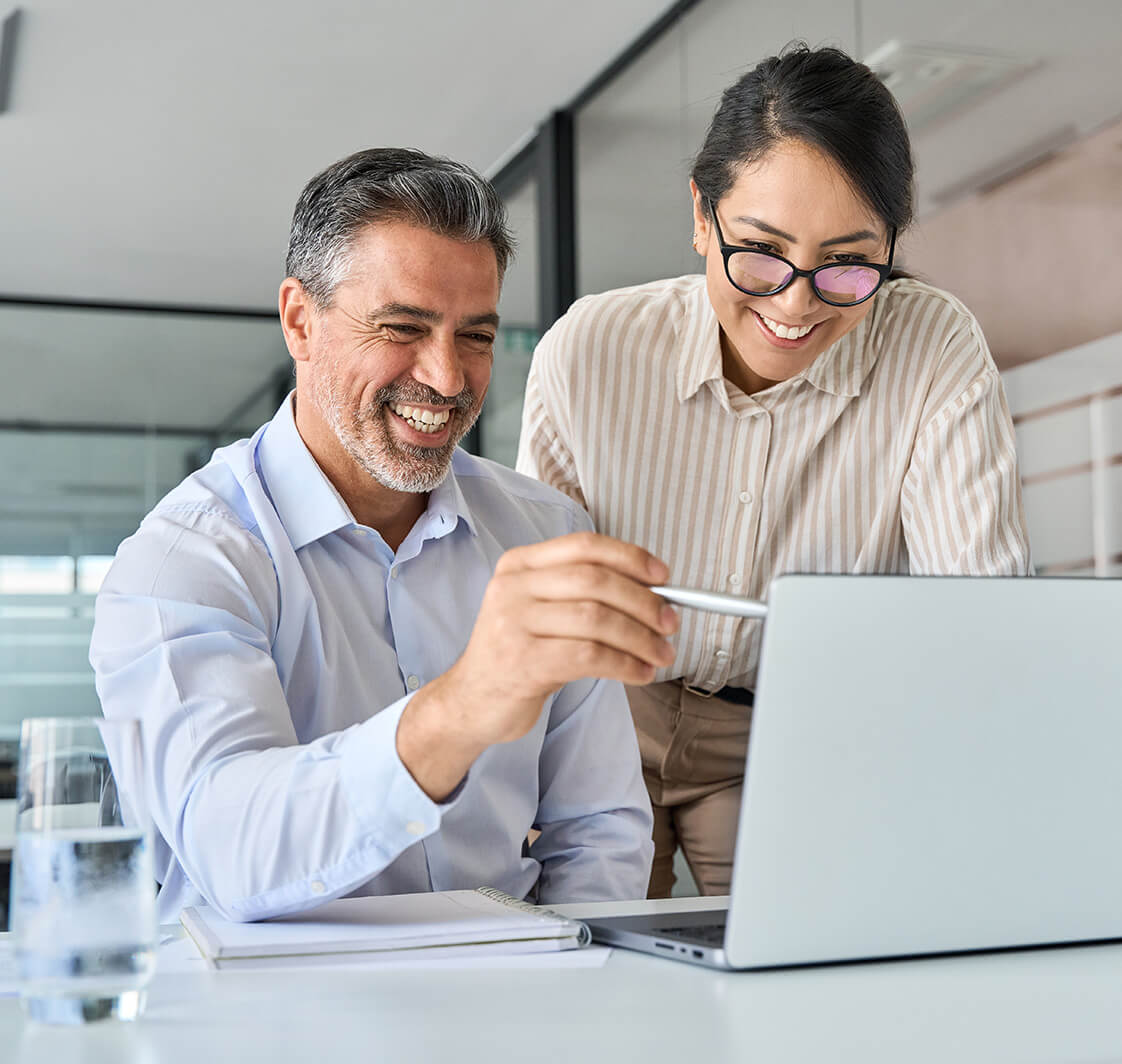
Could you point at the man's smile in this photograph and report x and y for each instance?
(420, 418)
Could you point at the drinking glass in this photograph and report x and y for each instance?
(83, 899)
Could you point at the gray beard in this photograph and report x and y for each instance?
(365, 436)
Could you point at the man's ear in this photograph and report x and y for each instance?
(297, 318)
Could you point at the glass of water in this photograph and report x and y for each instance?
(83, 898)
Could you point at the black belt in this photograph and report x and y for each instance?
(739, 696)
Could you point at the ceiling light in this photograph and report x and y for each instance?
(1021, 162)
(932, 81)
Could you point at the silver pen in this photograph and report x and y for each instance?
(713, 601)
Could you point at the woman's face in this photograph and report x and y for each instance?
(797, 203)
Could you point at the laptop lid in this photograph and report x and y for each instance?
(933, 766)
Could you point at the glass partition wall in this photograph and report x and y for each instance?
(129, 402)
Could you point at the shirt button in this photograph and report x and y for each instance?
(393, 573)
(745, 496)
(721, 655)
(415, 827)
(413, 683)
(735, 580)
(317, 886)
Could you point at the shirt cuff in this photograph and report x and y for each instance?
(386, 800)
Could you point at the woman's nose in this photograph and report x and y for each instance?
(794, 303)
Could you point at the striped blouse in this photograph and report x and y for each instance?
(893, 452)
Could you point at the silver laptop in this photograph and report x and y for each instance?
(935, 766)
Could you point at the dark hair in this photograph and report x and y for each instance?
(389, 184)
(825, 99)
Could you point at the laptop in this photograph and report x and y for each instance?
(935, 766)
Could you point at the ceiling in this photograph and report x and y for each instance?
(153, 152)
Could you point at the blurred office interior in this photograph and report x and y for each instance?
(151, 157)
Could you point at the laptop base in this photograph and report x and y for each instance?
(667, 934)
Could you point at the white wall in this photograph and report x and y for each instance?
(1067, 410)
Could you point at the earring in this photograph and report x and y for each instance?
(695, 247)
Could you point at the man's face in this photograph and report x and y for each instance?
(400, 362)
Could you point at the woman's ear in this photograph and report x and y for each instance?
(701, 227)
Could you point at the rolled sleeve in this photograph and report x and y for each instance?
(260, 823)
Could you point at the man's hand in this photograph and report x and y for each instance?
(573, 607)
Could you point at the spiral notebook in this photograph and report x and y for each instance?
(359, 930)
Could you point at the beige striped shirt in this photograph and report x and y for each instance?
(892, 452)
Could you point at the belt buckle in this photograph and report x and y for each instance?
(698, 691)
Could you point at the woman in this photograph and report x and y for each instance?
(795, 409)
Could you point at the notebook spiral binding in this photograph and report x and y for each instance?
(583, 935)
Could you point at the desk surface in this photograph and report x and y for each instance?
(1043, 1005)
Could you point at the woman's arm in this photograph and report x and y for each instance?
(961, 498)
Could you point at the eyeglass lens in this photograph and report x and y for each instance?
(762, 275)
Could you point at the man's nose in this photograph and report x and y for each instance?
(440, 367)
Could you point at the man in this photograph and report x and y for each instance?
(358, 669)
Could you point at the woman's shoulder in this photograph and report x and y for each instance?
(927, 319)
(930, 332)
(670, 297)
(634, 327)
(909, 298)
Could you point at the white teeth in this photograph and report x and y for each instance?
(422, 420)
(786, 332)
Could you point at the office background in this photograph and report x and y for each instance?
(150, 158)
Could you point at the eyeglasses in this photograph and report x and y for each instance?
(763, 273)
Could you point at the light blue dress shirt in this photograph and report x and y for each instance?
(269, 645)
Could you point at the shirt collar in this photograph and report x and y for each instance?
(839, 370)
(699, 344)
(305, 500)
(308, 504)
(447, 503)
(842, 367)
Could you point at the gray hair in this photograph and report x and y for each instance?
(389, 184)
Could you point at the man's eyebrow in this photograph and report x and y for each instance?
(482, 319)
(407, 310)
(848, 238)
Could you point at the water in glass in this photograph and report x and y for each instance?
(83, 905)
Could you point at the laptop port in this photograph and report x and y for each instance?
(665, 945)
(698, 954)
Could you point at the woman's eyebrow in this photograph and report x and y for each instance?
(747, 219)
(851, 238)
(848, 238)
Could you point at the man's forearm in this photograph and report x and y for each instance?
(434, 739)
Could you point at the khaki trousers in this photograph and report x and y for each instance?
(693, 751)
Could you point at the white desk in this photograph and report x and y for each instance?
(1047, 1005)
